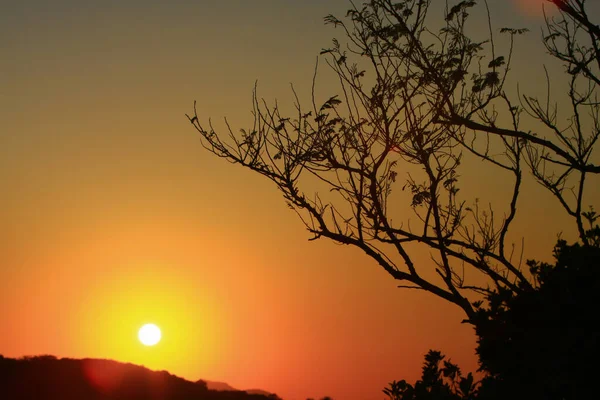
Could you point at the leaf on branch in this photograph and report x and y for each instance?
(514, 31)
(460, 7)
(392, 176)
(458, 75)
(490, 79)
(352, 13)
(331, 19)
(449, 182)
(591, 216)
(334, 121)
(497, 62)
(331, 103)
(336, 44)
(454, 61)
(466, 385)
(319, 118)
(419, 198)
(450, 370)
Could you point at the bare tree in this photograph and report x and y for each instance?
(422, 99)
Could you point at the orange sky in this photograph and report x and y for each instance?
(113, 216)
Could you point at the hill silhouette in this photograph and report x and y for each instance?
(49, 378)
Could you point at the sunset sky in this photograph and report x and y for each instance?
(112, 215)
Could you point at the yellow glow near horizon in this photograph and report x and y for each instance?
(149, 334)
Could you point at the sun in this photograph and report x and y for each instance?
(149, 334)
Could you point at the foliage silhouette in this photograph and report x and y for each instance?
(542, 342)
(439, 381)
(538, 344)
(414, 102)
(49, 378)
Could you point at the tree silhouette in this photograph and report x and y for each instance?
(416, 101)
(538, 344)
(541, 343)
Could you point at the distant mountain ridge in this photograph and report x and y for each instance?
(212, 385)
(50, 378)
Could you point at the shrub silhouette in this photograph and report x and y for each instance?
(440, 380)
